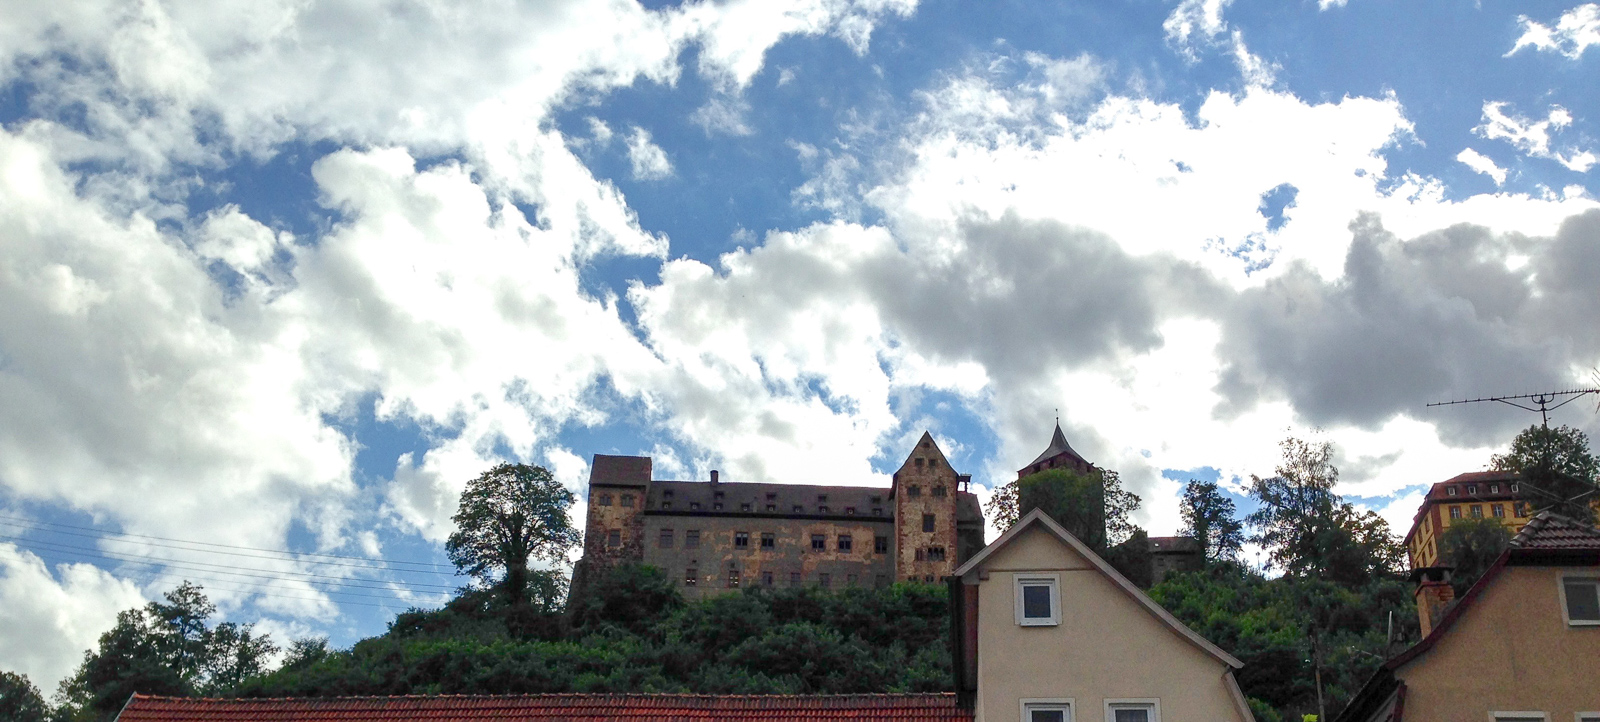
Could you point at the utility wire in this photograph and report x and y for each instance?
(376, 560)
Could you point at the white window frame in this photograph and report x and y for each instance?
(1587, 716)
(1561, 588)
(1497, 716)
(1034, 578)
(1066, 704)
(1151, 703)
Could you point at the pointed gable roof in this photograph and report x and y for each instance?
(1058, 445)
(1037, 517)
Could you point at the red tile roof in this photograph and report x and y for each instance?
(1552, 531)
(553, 707)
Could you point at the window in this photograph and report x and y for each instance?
(627, 501)
(716, 506)
(717, 495)
(1455, 512)
(822, 498)
(927, 522)
(1047, 710)
(1133, 710)
(1499, 511)
(1450, 490)
(666, 494)
(1520, 508)
(877, 500)
(914, 491)
(666, 538)
(822, 509)
(928, 578)
(1472, 489)
(1038, 603)
(772, 507)
(819, 542)
(1513, 488)
(846, 543)
(799, 509)
(741, 540)
(605, 500)
(691, 539)
(935, 554)
(849, 511)
(880, 545)
(1581, 598)
(744, 507)
(1494, 488)
(824, 580)
(691, 577)
(1477, 511)
(733, 578)
(1518, 716)
(666, 505)
(614, 538)
(917, 463)
(794, 579)
(938, 492)
(772, 497)
(769, 540)
(694, 506)
(877, 511)
(766, 579)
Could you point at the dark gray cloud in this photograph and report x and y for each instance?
(1441, 316)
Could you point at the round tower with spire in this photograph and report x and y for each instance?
(1060, 455)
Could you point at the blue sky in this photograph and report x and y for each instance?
(283, 276)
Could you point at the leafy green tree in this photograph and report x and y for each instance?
(1309, 530)
(1211, 518)
(20, 701)
(1470, 546)
(1558, 472)
(1093, 506)
(165, 648)
(509, 516)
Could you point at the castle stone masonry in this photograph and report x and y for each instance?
(713, 536)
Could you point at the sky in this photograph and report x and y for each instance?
(278, 277)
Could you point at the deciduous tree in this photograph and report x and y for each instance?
(1558, 472)
(20, 701)
(1210, 518)
(509, 516)
(1470, 546)
(1093, 506)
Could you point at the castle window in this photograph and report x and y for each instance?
(694, 506)
(914, 491)
(614, 538)
(691, 577)
(849, 511)
(666, 539)
(927, 522)
(691, 539)
(1455, 512)
(824, 580)
(928, 579)
(772, 507)
(627, 501)
(921, 555)
(766, 579)
(794, 579)
(877, 511)
(917, 463)
(933, 463)
(822, 509)
(741, 540)
(769, 540)
(717, 495)
(938, 492)
(877, 500)
(666, 494)
(744, 507)
(846, 542)
(716, 506)
(666, 505)
(935, 554)
(799, 509)
(1513, 488)
(1499, 511)
(880, 545)
(733, 578)
(819, 542)
(822, 498)
(1477, 511)
(1450, 490)
(772, 497)
(1520, 508)
(605, 500)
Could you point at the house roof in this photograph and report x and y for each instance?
(1041, 519)
(552, 707)
(1440, 492)
(1544, 534)
(1058, 445)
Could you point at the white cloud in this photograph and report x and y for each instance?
(1193, 21)
(1574, 32)
(1482, 164)
(1533, 137)
(648, 159)
(48, 618)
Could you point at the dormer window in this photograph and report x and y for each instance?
(1472, 489)
(716, 495)
(1038, 599)
(666, 494)
(1494, 488)
(1450, 490)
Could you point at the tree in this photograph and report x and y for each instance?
(1209, 517)
(20, 701)
(1470, 546)
(510, 515)
(1093, 506)
(165, 648)
(1558, 472)
(1309, 530)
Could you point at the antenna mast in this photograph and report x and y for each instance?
(1541, 402)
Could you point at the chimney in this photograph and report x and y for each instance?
(1433, 594)
(713, 476)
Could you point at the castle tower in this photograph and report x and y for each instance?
(618, 491)
(1060, 455)
(924, 494)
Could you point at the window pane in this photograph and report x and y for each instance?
(1131, 715)
(1046, 715)
(1583, 601)
(1036, 601)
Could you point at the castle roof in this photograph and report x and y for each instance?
(1058, 446)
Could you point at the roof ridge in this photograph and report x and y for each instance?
(526, 695)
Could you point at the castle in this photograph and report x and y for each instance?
(714, 536)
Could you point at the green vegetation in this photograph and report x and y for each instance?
(1558, 472)
(510, 515)
(1470, 546)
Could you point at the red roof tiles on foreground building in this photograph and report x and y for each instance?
(553, 707)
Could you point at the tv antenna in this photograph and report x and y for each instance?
(1543, 402)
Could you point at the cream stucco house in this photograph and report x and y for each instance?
(1048, 632)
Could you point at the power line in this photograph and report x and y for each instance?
(378, 560)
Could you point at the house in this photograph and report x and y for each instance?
(1474, 495)
(1523, 643)
(716, 536)
(1046, 631)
